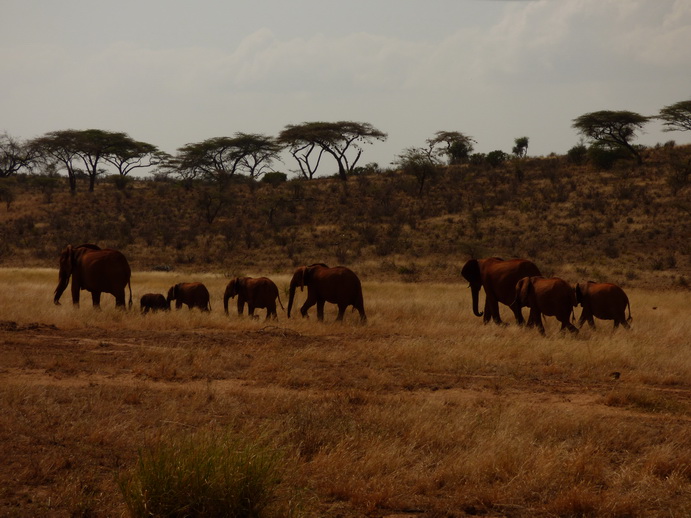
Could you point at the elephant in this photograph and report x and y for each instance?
(96, 270)
(552, 297)
(194, 294)
(602, 300)
(498, 277)
(338, 285)
(261, 292)
(153, 302)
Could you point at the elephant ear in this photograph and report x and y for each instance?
(471, 271)
(66, 261)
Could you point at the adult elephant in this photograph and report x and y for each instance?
(498, 278)
(153, 302)
(193, 294)
(260, 292)
(95, 270)
(603, 300)
(338, 285)
(552, 297)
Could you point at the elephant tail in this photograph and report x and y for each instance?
(629, 306)
(129, 285)
(278, 295)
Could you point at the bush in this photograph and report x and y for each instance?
(577, 155)
(496, 158)
(205, 475)
(604, 157)
(274, 178)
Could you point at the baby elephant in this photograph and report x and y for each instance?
(194, 294)
(551, 297)
(260, 292)
(602, 300)
(153, 302)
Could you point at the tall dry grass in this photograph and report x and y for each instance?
(421, 410)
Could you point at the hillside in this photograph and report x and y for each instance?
(628, 224)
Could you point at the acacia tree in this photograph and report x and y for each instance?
(419, 163)
(335, 138)
(677, 116)
(127, 155)
(91, 148)
(219, 158)
(259, 152)
(454, 145)
(520, 148)
(59, 149)
(15, 156)
(614, 129)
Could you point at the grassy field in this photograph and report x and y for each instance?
(423, 411)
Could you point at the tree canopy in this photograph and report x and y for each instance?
(334, 138)
(219, 158)
(615, 129)
(14, 156)
(677, 116)
(520, 148)
(90, 148)
(453, 145)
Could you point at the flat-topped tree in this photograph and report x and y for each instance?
(14, 156)
(615, 129)
(218, 159)
(676, 117)
(90, 148)
(339, 139)
(453, 145)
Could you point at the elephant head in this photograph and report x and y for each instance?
(66, 260)
(172, 293)
(297, 280)
(235, 287)
(471, 272)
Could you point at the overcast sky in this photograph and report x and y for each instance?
(172, 72)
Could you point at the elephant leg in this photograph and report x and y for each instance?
(487, 313)
(565, 324)
(308, 304)
(517, 313)
(120, 299)
(75, 294)
(320, 310)
(96, 298)
(341, 312)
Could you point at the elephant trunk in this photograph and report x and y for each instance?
(291, 297)
(62, 285)
(476, 297)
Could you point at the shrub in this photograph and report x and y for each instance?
(577, 154)
(496, 158)
(205, 474)
(274, 178)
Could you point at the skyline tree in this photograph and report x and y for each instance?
(613, 129)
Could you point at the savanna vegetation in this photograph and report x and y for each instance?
(423, 411)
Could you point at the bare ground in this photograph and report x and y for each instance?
(78, 403)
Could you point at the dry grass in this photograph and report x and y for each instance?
(422, 412)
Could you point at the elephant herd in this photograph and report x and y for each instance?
(516, 283)
(98, 270)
